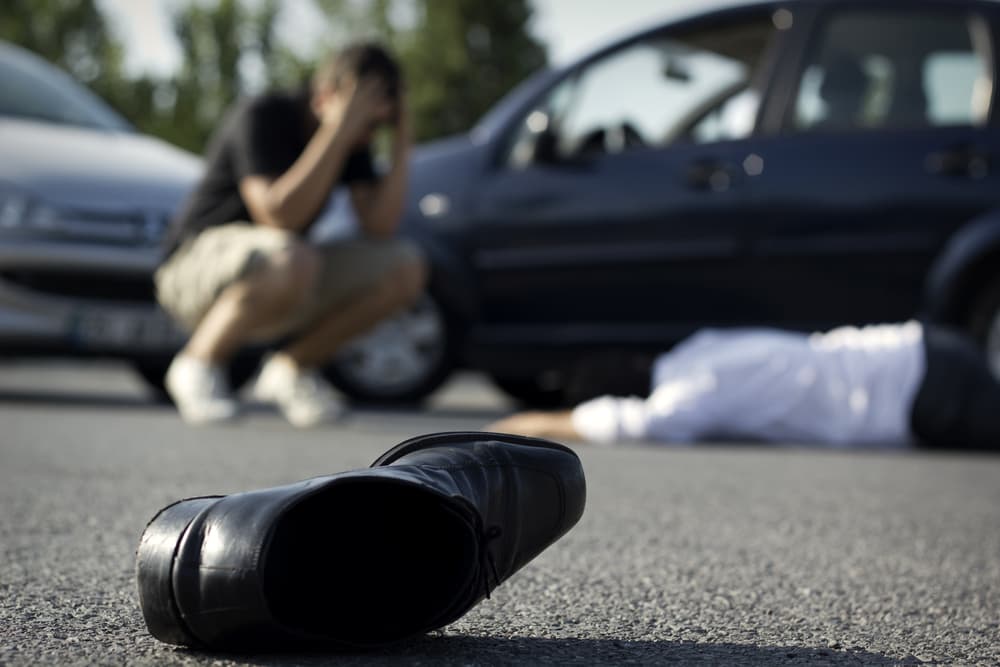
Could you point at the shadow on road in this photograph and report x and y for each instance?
(530, 650)
(412, 417)
(80, 399)
(435, 412)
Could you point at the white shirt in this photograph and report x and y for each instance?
(849, 386)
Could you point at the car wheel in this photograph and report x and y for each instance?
(540, 391)
(403, 360)
(985, 324)
(153, 371)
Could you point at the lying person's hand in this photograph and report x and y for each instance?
(554, 425)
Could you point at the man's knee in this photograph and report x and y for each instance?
(293, 272)
(286, 279)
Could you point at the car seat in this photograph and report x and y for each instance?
(843, 91)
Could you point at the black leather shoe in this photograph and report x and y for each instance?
(360, 558)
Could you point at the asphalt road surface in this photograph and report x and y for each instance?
(723, 555)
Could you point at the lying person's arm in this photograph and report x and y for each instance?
(678, 411)
(551, 425)
(603, 420)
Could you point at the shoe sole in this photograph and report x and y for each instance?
(201, 420)
(154, 569)
(463, 438)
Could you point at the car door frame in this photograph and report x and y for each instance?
(811, 20)
(762, 80)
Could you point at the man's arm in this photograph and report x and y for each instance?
(292, 200)
(380, 205)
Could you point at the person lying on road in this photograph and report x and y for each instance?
(888, 385)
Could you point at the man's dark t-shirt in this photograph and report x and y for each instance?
(262, 136)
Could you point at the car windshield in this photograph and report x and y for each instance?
(31, 88)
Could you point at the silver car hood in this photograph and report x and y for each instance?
(85, 169)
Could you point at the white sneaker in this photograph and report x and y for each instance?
(200, 391)
(303, 396)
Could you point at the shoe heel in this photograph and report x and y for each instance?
(154, 569)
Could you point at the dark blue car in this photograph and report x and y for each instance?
(791, 164)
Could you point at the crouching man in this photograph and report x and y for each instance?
(239, 268)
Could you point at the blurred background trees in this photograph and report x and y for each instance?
(460, 56)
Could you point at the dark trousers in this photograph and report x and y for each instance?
(958, 403)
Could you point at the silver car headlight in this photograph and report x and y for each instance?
(22, 212)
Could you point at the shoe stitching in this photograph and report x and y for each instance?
(554, 478)
(486, 536)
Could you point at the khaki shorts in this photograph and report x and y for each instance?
(190, 281)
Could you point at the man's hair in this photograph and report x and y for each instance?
(359, 60)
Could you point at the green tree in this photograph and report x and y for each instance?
(464, 55)
(69, 33)
(460, 56)
(220, 43)
(74, 35)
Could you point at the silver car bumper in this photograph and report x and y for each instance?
(46, 300)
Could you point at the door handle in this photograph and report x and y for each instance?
(529, 202)
(959, 162)
(711, 175)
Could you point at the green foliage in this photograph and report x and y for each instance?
(464, 55)
(460, 56)
(69, 33)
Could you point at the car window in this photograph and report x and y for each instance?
(895, 69)
(691, 85)
(31, 88)
(733, 118)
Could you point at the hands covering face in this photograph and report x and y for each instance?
(360, 106)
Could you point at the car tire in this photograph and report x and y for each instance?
(984, 323)
(403, 360)
(153, 371)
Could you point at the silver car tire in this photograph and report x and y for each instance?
(404, 359)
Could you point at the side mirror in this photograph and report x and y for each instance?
(537, 142)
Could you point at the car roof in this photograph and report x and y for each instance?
(735, 7)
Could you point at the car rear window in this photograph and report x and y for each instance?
(896, 69)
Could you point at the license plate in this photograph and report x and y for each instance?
(128, 329)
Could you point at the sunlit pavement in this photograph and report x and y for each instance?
(715, 555)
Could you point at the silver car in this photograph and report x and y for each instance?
(84, 200)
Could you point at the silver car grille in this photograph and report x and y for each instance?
(133, 228)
